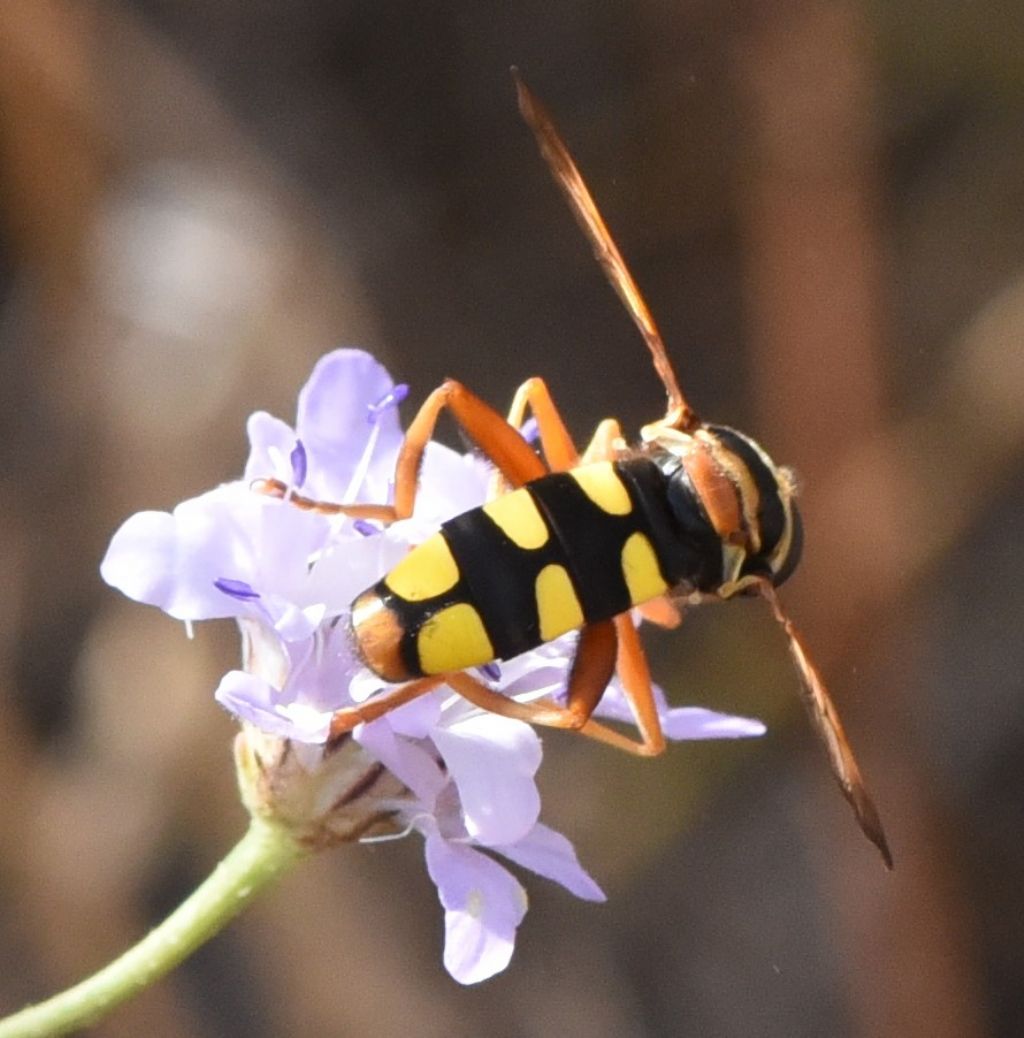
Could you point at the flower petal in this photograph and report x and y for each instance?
(173, 561)
(455, 483)
(551, 855)
(492, 761)
(258, 702)
(332, 421)
(681, 722)
(180, 561)
(349, 566)
(484, 905)
(694, 722)
(271, 442)
(413, 764)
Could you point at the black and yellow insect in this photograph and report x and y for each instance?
(570, 549)
(570, 541)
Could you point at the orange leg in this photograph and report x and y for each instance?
(592, 669)
(606, 444)
(559, 450)
(635, 676)
(661, 611)
(348, 717)
(511, 454)
(556, 444)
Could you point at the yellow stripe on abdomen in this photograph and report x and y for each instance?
(427, 571)
(518, 517)
(452, 639)
(603, 485)
(641, 570)
(558, 608)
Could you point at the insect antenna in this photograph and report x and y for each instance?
(552, 148)
(825, 719)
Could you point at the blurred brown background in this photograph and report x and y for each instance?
(824, 202)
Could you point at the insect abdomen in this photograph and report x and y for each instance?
(565, 550)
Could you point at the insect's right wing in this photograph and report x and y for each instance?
(825, 719)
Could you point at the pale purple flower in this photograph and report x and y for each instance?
(288, 576)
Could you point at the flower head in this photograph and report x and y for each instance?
(463, 779)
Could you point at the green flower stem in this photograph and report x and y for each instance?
(263, 854)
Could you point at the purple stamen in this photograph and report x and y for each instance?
(392, 398)
(299, 463)
(491, 671)
(365, 528)
(239, 589)
(529, 430)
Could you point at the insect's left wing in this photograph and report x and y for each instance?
(581, 202)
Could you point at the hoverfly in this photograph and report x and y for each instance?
(573, 541)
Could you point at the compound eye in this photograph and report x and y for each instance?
(796, 548)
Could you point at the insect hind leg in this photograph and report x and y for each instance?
(592, 669)
(598, 654)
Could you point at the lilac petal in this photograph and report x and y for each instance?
(452, 483)
(484, 905)
(532, 674)
(551, 855)
(292, 623)
(529, 430)
(684, 722)
(172, 561)
(132, 562)
(258, 702)
(412, 764)
(418, 719)
(492, 761)
(415, 720)
(349, 566)
(694, 722)
(319, 672)
(331, 418)
(271, 442)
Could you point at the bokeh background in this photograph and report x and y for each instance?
(824, 202)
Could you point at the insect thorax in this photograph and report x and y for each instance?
(722, 480)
